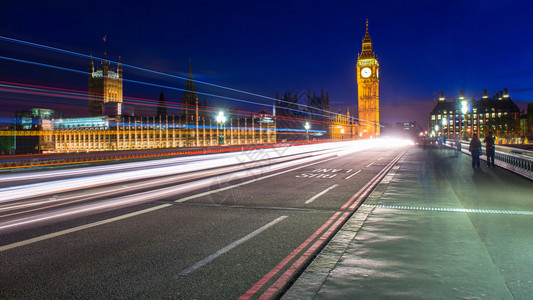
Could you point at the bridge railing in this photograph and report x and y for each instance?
(517, 160)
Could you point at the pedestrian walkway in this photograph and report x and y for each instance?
(434, 228)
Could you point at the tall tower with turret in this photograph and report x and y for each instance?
(105, 85)
(189, 100)
(368, 89)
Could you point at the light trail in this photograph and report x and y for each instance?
(99, 192)
(95, 176)
(213, 161)
(168, 192)
(59, 50)
(171, 88)
(78, 94)
(177, 168)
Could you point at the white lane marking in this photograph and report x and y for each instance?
(213, 256)
(321, 193)
(63, 232)
(247, 182)
(353, 174)
(370, 164)
(152, 195)
(86, 226)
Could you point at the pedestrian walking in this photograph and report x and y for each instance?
(457, 146)
(489, 149)
(475, 149)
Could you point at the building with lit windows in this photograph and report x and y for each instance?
(462, 117)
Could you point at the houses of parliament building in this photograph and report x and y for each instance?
(113, 125)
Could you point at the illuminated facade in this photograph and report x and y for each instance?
(342, 127)
(105, 85)
(368, 89)
(462, 117)
(134, 133)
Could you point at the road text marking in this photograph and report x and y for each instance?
(247, 182)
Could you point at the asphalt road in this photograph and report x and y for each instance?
(214, 242)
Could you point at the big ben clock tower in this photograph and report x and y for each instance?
(368, 89)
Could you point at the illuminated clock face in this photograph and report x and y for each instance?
(366, 72)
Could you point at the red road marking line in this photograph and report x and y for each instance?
(287, 259)
(356, 195)
(365, 190)
(282, 281)
(359, 201)
(380, 176)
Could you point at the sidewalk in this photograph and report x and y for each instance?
(434, 228)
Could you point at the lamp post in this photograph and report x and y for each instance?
(464, 109)
(342, 134)
(221, 119)
(444, 126)
(307, 126)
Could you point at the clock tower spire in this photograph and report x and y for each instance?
(368, 89)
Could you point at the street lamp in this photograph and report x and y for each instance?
(221, 119)
(307, 126)
(464, 109)
(464, 106)
(444, 125)
(342, 134)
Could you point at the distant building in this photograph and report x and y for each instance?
(368, 89)
(529, 124)
(105, 85)
(291, 117)
(462, 117)
(34, 121)
(405, 129)
(319, 113)
(411, 128)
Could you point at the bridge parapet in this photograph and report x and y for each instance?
(517, 160)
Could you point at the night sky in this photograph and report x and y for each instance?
(265, 47)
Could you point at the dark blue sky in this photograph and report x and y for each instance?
(269, 46)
